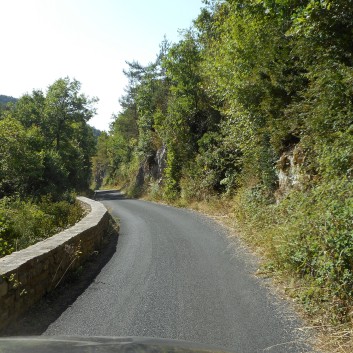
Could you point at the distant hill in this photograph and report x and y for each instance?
(7, 99)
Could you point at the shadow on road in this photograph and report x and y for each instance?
(101, 195)
(50, 307)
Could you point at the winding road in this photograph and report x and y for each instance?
(176, 275)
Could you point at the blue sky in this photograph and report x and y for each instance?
(90, 40)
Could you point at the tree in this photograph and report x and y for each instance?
(21, 164)
(64, 106)
(100, 161)
(66, 113)
(54, 144)
(29, 110)
(190, 112)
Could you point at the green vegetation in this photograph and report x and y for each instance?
(254, 106)
(46, 148)
(252, 109)
(24, 223)
(4, 102)
(6, 99)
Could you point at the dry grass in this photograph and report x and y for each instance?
(323, 337)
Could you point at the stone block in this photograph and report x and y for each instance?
(4, 315)
(23, 277)
(8, 302)
(38, 268)
(4, 287)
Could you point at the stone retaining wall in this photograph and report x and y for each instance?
(27, 275)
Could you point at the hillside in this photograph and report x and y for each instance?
(7, 99)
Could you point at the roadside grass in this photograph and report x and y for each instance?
(305, 244)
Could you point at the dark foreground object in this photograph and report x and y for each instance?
(100, 345)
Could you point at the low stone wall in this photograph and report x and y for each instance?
(27, 275)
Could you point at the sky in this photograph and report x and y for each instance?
(89, 40)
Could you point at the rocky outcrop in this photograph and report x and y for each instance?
(290, 171)
(152, 168)
(161, 160)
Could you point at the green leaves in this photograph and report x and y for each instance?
(21, 165)
(23, 222)
(6, 245)
(45, 141)
(248, 84)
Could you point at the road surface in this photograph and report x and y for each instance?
(175, 275)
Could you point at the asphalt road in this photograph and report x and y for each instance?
(176, 275)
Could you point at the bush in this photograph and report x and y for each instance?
(23, 223)
(308, 236)
(6, 247)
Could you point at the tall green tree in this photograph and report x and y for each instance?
(21, 163)
(66, 113)
(190, 112)
(52, 127)
(100, 161)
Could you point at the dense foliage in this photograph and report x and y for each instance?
(24, 222)
(46, 148)
(45, 141)
(255, 91)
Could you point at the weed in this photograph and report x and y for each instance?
(24, 222)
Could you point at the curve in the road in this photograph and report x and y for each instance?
(175, 275)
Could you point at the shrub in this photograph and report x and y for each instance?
(309, 236)
(23, 223)
(5, 236)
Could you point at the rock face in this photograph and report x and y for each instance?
(290, 172)
(161, 158)
(152, 168)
